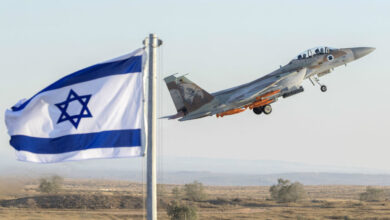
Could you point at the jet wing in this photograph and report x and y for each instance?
(268, 89)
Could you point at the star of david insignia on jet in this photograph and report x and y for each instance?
(74, 119)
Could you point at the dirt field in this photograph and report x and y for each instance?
(102, 199)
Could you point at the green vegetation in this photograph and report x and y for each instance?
(372, 195)
(176, 192)
(178, 211)
(50, 185)
(285, 191)
(107, 199)
(194, 191)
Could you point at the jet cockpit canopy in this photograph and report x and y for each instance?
(313, 51)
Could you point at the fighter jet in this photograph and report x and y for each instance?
(193, 102)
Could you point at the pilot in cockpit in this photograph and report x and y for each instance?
(312, 52)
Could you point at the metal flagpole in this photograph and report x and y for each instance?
(151, 181)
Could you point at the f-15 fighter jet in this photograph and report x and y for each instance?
(193, 102)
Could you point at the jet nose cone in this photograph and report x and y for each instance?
(361, 51)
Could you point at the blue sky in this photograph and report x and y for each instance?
(221, 44)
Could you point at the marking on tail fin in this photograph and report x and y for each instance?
(186, 95)
(190, 91)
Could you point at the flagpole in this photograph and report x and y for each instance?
(151, 181)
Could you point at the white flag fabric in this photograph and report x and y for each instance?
(96, 112)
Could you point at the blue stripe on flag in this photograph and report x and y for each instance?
(130, 65)
(75, 142)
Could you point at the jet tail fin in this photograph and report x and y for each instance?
(186, 95)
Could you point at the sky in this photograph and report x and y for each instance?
(220, 44)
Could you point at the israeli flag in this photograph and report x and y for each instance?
(96, 112)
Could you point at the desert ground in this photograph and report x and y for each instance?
(20, 198)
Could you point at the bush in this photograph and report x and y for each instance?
(178, 211)
(194, 191)
(372, 195)
(31, 203)
(50, 185)
(176, 192)
(285, 191)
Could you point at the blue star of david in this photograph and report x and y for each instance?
(74, 119)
